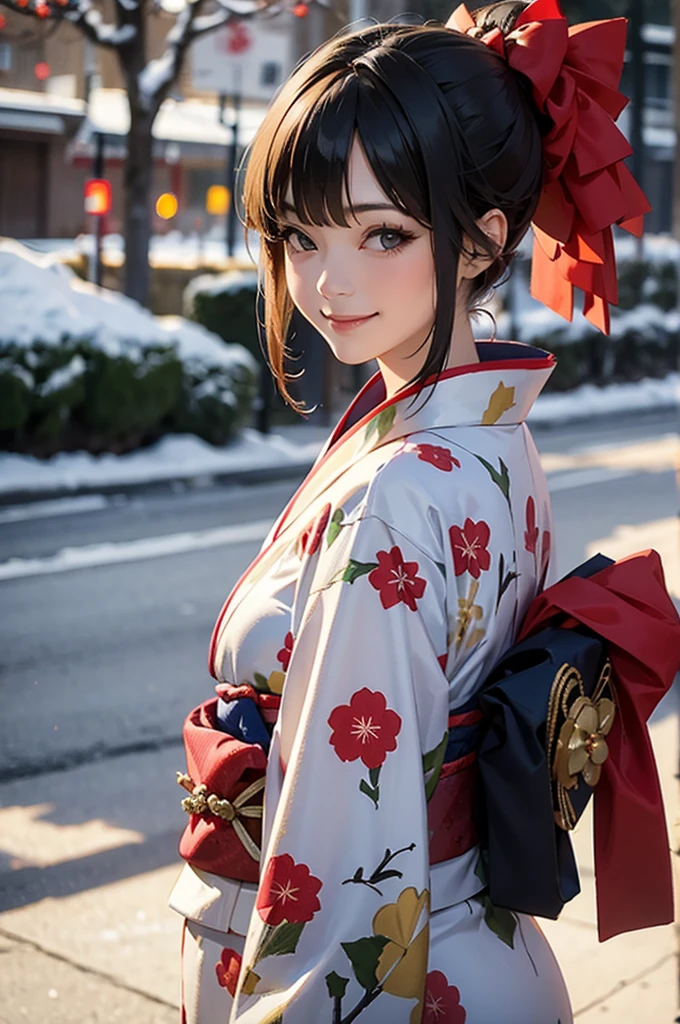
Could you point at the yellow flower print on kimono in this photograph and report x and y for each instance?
(392, 960)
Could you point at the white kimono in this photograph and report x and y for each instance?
(389, 587)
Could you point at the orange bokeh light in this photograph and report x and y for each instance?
(167, 205)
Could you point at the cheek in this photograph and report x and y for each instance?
(295, 282)
(409, 279)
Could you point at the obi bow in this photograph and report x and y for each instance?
(574, 73)
(628, 606)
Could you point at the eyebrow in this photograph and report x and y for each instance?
(359, 208)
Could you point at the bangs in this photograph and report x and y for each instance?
(305, 153)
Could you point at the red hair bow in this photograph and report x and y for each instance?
(575, 72)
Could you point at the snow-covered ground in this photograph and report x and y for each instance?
(185, 457)
(175, 457)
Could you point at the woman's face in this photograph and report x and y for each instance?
(379, 269)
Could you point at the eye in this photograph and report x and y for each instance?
(391, 239)
(303, 242)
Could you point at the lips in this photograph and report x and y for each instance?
(348, 319)
(346, 323)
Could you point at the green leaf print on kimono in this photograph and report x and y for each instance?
(336, 524)
(432, 766)
(365, 728)
(501, 479)
(287, 900)
(503, 923)
(392, 960)
(381, 424)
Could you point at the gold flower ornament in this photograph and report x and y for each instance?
(581, 748)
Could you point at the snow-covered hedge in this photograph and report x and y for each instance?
(644, 341)
(225, 304)
(82, 367)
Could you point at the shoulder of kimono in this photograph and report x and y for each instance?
(423, 486)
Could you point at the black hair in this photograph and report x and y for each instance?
(448, 129)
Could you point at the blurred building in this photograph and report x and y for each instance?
(57, 91)
(658, 124)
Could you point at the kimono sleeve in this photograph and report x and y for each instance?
(340, 927)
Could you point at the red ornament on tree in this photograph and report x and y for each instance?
(42, 68)
(301, 10)
(42, 10)
(22, 3)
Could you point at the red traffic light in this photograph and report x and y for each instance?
(97, 196)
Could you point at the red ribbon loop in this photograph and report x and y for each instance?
(628, 604)
(575, 73)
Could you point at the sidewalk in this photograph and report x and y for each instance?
(102, 946)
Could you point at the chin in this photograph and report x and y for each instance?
(350, 355)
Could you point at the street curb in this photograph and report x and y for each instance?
(167, 485)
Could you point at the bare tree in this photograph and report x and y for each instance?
(148, 83)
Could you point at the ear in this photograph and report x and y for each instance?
(494, 224)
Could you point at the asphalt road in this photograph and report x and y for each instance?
(106, 610)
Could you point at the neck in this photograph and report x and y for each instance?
(398, 368)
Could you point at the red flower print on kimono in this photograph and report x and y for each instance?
(396, 579)
(469, 548)
(532, 531)
(365, 728)
(310, 538)
(288, 892)
(227, 970)
(284, 654)
(441, 1004)
(441, 458)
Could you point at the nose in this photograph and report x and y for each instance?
(333, 281)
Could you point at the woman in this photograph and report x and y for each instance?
(391, 182)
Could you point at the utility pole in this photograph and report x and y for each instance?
(98, 172)
(232, 157)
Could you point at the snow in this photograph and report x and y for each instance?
(43, 300)
(655, 248)
(157, 75)
(588, 401)
(64, 376)
(175, 457)
(219, 284)
(172, 249)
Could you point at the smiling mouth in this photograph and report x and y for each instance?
(347, 319)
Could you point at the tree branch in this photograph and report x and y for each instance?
(90, 22)
(156, 79)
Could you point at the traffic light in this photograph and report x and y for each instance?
(97, 196)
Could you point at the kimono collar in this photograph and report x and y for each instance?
(497, 391)
(501, 388)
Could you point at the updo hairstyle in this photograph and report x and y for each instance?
(449, 130)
